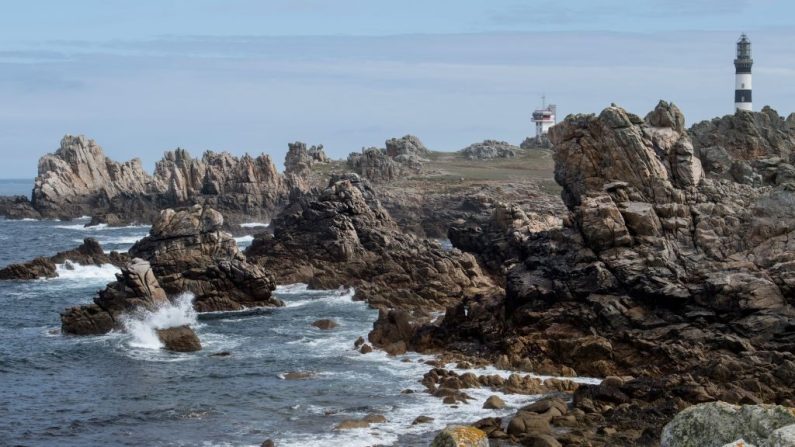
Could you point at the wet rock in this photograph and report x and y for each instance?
(352, 424)
(17, 207)
(325, 324)
(460, 436)
(87, 253)
(179, 339)
(298, 375)
(494, 403)
(374, 418)
(358, 343)
(268, 443)
(38, 268)
(186, 251)
(422, 420)
(366, 349)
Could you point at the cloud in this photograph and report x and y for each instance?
(254, 93)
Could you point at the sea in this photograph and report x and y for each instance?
(124, 389)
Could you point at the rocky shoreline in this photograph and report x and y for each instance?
(666, 270)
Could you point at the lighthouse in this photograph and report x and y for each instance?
(742, 80)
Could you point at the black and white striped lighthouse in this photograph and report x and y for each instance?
(742, 83)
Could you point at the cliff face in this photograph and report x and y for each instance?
(78, 179)
(343, 236)
(666, 270)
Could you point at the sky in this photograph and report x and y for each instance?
(143, 77)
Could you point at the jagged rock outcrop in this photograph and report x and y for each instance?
(497, 238)
(343, 236)
(677, 277)
(17, 207)
(402, 156)
(246, 186)
(748, 147)
(136, 287)
(186, 252)
(408, 151)
(87, 253)
(300, 159)
(189, 252)
(78, 179)
(489, 149)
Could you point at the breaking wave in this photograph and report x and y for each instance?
(142, 325)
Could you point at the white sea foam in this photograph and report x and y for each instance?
(255, 225)
(70, 271)
(143, 324)
(244, 239)
(339, 296)
(121, 240)
(298, 287)
(99, 227)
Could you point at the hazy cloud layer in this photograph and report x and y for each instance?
(142, 96)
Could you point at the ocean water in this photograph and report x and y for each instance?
(123, 389)
(16, 187)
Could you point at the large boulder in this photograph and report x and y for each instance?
(179, 339)
(718, 423)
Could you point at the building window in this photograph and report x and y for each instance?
(743, 86)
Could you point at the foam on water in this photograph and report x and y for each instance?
(142, 325)
(70, 271)
(121, 240)
(244, 240)
(99, 227)
(255, 225)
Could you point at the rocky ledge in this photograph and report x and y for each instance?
(186, 252)
(88, 253)
(667, 273)
(343, 236)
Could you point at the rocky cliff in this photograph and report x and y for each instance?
(186, 251)
(343, 236)
(750, 148)
(402, 156)
(78, 179)
(667, 272)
